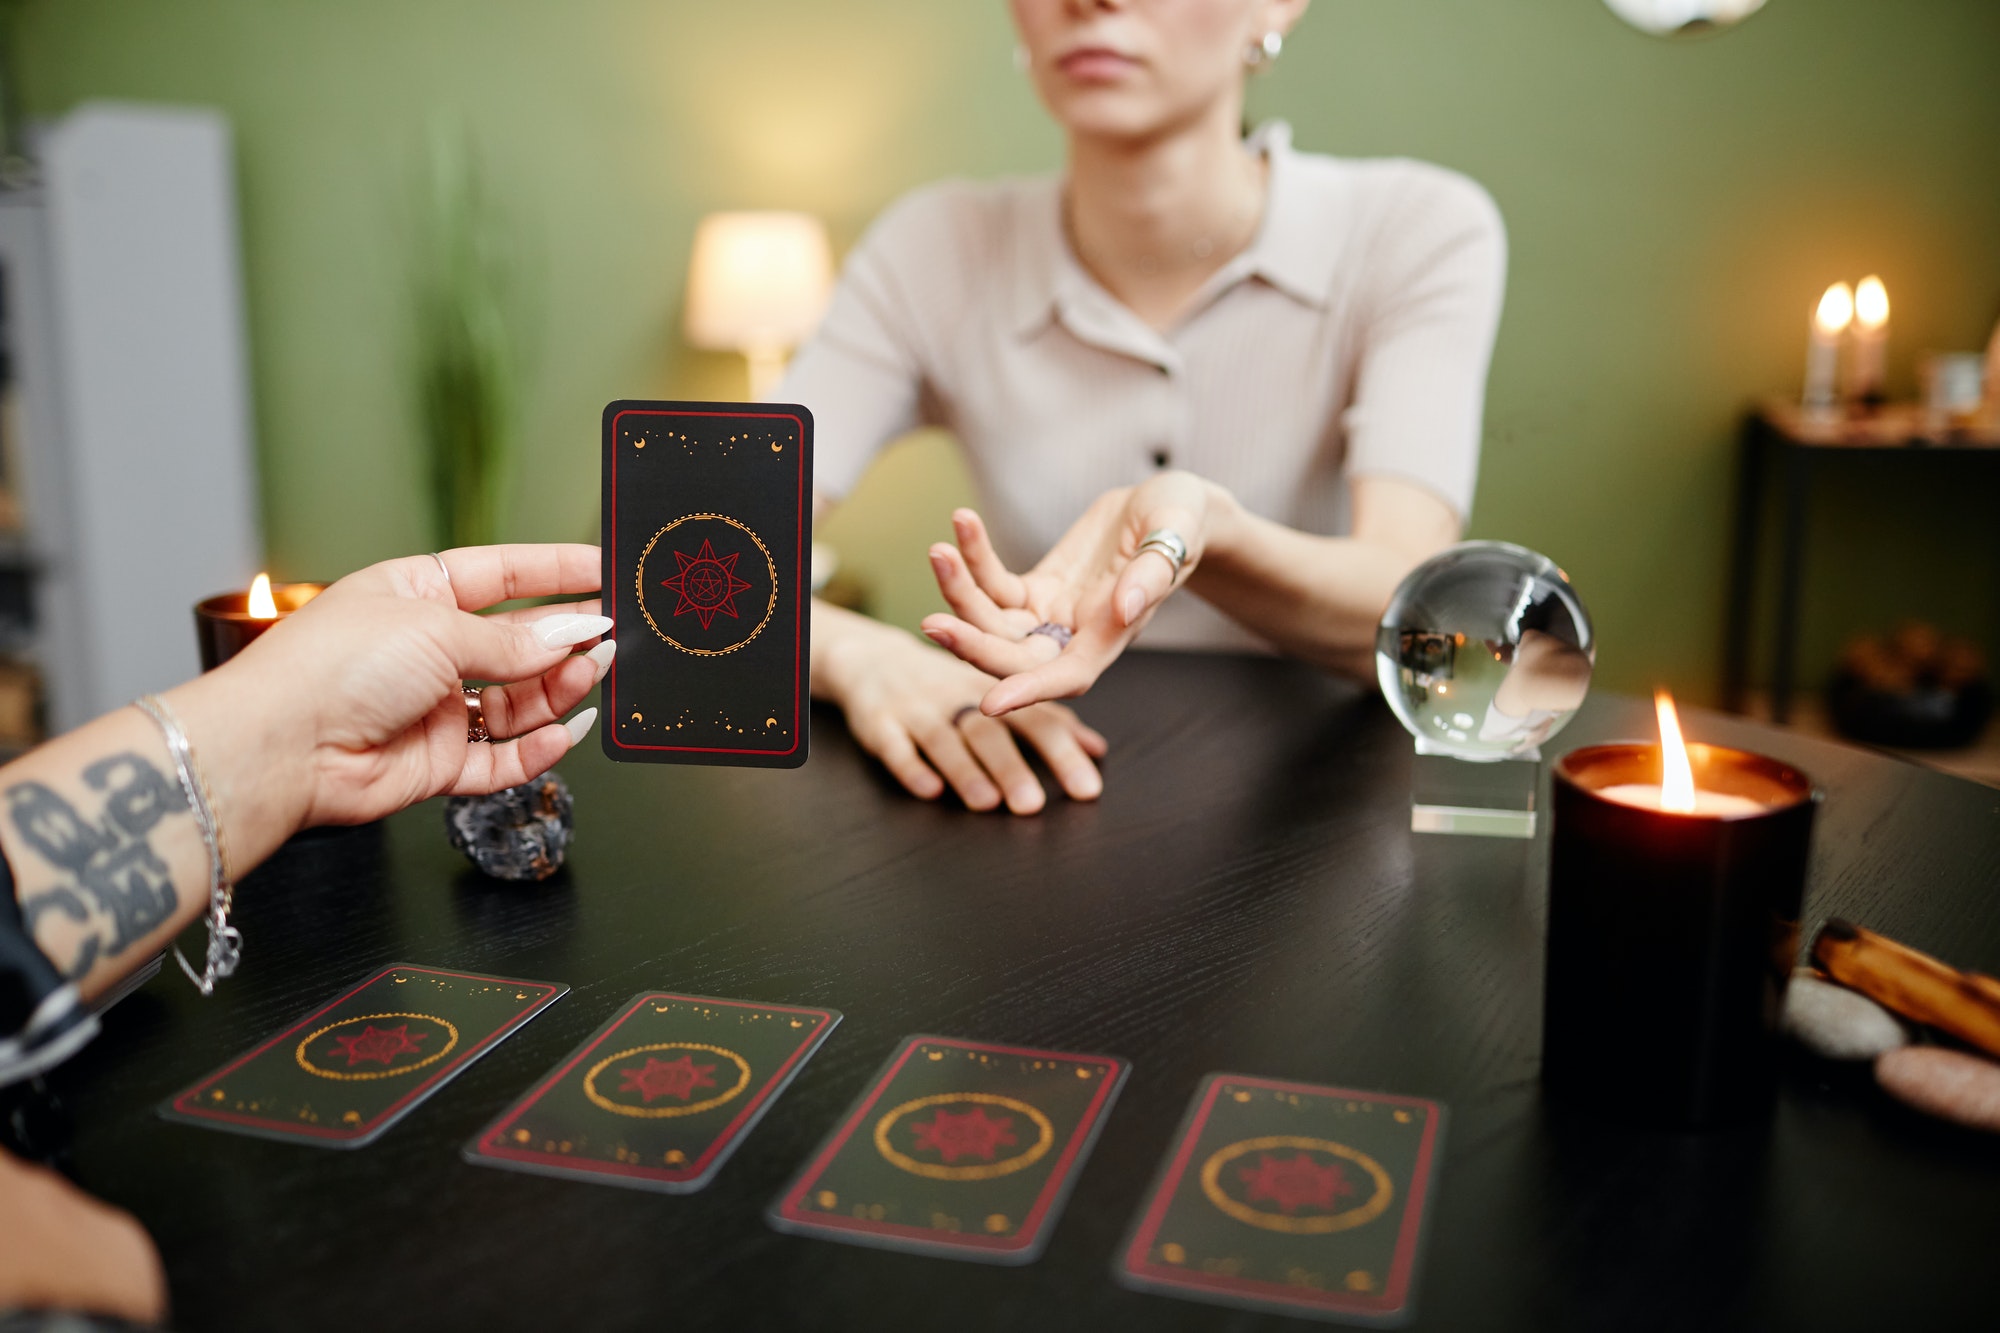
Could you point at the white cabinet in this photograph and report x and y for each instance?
(138, 477)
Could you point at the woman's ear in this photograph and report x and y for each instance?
(1280, 16)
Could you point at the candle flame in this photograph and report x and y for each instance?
(1676, 775)
(1836, 309)
(1871, 303)
(262, 605)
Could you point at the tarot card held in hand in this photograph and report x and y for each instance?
(350, 1069)
(707, 578)
(659, 1097)
(958, 1148)
(1289, 1197)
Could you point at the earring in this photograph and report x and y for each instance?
(1020, 58)
(1261, 53)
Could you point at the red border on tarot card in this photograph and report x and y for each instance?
(798, 599)
(1030, 1226)
(491, 1146)
(1395, 1293)
(364, 1128)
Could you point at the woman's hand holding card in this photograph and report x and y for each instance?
(1096, 583)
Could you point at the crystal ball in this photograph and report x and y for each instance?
(1485, 652)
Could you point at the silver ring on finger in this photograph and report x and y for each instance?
(439, 557)
(1061, 634)
(475, 716)
(1168, 543)
(962, 712)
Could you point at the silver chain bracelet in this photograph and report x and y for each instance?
(225, 943)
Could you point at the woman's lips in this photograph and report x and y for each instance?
(1096, 64)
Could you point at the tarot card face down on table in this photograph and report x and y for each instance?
(346, 1072)
(1290, 1197)
(660, 1096)
(707, 578)
(958, 1148)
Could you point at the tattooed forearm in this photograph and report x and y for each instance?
(110, 887)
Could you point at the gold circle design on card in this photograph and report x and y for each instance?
(667, 1112)
(770, 566)
(1322, 1224)
(305, 1062)
(1045, 1137)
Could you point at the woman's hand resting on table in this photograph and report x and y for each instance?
(1094, 582)
(908, 706)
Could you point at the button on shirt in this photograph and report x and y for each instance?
(1350, 338)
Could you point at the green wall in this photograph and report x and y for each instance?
(1674, 207)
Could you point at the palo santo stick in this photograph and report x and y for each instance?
(1915, 985)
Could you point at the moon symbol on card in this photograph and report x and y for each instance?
(777, 448)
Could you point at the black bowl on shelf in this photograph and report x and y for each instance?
(1924, 717)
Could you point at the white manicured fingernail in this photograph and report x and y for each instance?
(600, 656)
(567, 628)
(1131, 604)
(579, 726)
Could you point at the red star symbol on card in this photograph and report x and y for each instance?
(666, 1078)
(966, 1134)
(707, 584)
(381, 1044)
(1298, 1183)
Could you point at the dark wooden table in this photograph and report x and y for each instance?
(1247, 896)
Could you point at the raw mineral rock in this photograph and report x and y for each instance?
(520, 833)
(1948, 1084)
(1837, 1023)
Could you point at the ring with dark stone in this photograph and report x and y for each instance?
(521, 833)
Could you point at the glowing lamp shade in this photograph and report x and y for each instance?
(757, 284)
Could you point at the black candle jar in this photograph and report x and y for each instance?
(1671, 937)
(224, 626)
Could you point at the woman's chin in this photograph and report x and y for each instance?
(1110, 113)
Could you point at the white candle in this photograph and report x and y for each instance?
(1649, 796)
(1829, 321)
(1871, 337)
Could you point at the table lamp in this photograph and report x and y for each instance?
(757, 284)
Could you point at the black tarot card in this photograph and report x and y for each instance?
(344, 1073)
(660, 1096)
(958, 1148)
(1289, 1197)
(707, 578)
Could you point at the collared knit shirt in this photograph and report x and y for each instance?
(1351, 337)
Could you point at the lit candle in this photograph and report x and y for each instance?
(226, 623)
(1865, 356)
(1676, 875)
(1676, 792)
(262, 606)
(1834, 313)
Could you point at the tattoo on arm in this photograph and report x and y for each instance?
(109, 881)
